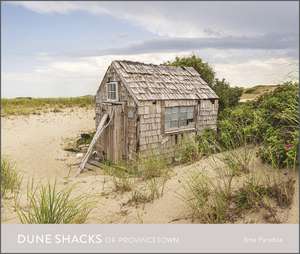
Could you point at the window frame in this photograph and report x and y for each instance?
(180, 111)
(110, 91)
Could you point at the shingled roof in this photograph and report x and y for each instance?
(160, 82)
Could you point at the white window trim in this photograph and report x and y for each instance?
(117, 91)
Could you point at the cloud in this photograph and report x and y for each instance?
(287, 42)
(262, 71)
(247, 43)
(80, 76)
(188, 19)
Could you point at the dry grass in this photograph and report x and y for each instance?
(254, 92)
(207, 200)
(238, 189)
(28, 105)
(10, 179)
(187, 151)
(152, 189)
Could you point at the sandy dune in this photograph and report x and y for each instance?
(35, 144)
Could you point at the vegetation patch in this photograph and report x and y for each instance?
(47, 205)
(187, 151)
(217, 201)
(29, 105)
(10, 178)
(271, 122)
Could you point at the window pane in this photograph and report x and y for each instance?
(112, 91)
(167, 124)
(174, 124)
(183, 109)
(167, 117)
(183, 123)
(183, 115)
(175, 116)
(113, 87)
(190, 113)
(174, 110)
(168, 111)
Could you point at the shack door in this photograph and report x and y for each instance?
(115, 135)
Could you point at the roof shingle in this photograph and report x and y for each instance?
(160, 82)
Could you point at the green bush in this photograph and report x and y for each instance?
(271, 122)
(228, 96)
(187, 151)
(281, 137)
(207, 142)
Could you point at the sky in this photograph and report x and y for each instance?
(62, 49)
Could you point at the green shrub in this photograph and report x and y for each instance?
(207, 142)
(10, 179)
(271, 122)
(46, 205)
(187, 151)
(228, 96)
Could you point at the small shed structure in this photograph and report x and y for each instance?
(150, 108)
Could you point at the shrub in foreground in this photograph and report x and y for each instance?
(47, 205)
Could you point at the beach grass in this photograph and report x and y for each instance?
(29, 105)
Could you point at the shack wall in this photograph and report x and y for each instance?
(129, 112)
(152, 136)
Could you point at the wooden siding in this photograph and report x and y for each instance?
(129, 123)
(141, 124)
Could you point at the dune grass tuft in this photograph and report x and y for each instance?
(10, 179)
(47, 205)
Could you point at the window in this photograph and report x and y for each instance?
(112, 92)
(177, 117)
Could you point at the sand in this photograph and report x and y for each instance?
(35, 143)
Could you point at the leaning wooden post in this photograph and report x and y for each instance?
(101, 127)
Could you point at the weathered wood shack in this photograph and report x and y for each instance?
(150, 108)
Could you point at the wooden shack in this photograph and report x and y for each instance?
(150, 108)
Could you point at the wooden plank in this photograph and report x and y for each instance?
(95, 163)
(102, 125)
(91, 167)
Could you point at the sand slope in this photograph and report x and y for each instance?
(35, 144)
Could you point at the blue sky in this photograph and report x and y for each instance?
(63, 48)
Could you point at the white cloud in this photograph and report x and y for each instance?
(200, 20)
(263, 71)
(73, 77)
(188, 19)
(80, 76)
